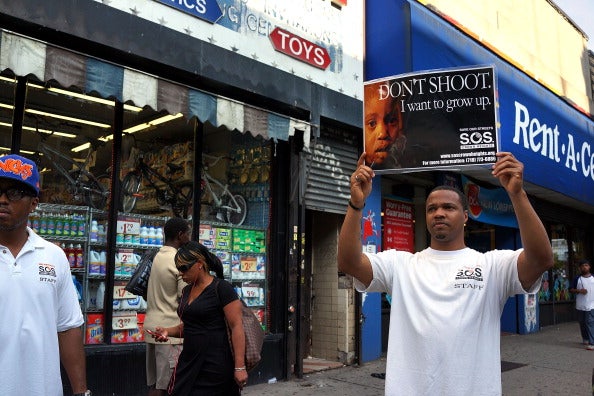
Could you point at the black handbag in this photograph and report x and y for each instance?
(138, 283)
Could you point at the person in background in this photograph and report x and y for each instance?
(163, 293)
(583, 287)
(447, 300)
(41, 316)
(207, 364)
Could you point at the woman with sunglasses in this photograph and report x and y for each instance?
(206, 365)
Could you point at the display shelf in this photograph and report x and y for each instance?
(134, 237)
(242, 251)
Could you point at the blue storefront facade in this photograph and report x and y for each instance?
(553, 139)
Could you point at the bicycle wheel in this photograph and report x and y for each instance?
(95, 195)
(236, 216)
(182, 206)
(130, 187)
(92, 193)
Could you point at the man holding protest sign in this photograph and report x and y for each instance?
(447, 299)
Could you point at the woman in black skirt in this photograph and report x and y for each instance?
(207, 365)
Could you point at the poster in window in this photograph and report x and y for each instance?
(399, 232)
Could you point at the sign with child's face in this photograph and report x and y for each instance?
(439, 119)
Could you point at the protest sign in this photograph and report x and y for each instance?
(439, 119)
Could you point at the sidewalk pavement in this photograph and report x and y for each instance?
(550, 362)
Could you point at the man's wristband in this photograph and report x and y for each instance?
(87, 393)
(354, 207)
(240, 368)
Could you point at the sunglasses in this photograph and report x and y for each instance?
(14, 194)
(184, 267)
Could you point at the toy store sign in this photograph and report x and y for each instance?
(207, 10)
(300, 48)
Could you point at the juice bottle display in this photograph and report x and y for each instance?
(81, 226)
(66, 224)
(71, 254)
(35, 221)
(73, 225)
(42, 224)
(51, 224)
(59, 224)
(80, 259)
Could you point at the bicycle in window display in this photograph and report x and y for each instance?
(228, 206)
(176, 197)
(82, 185)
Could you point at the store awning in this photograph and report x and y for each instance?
(25, 56)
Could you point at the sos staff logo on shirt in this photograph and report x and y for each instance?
(47, 273)
(470, 273)
(472, 278)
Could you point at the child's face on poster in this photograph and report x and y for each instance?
(383, 124)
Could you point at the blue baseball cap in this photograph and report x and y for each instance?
(21, 169)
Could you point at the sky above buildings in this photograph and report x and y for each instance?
(582, 13)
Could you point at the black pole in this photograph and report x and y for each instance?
(112, 215)
(18, 113)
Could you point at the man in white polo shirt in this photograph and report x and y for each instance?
(41, 317)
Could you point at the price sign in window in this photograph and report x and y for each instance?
(248, 264)
(249, 290)
(120, 292)
(124, 320)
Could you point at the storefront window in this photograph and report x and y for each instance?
(234, 216)
(70, 136)
(560, 274)
(578, 246)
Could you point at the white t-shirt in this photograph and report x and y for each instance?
(445, 318)
(37, 300)
(585, 302)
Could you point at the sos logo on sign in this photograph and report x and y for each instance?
(476, 138)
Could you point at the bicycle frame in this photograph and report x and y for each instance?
(52, 155)
(149, 174)
(229, 206)
(85, 183)
(178, 197)
(224, 188)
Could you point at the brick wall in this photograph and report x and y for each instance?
(333, 324)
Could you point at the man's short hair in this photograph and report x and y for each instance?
(174, 226)
(461, 195)
(583, 261)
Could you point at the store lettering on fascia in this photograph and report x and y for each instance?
(256, 21)
(208, 10)
(552, 143)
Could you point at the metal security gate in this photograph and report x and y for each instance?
(328, 165)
